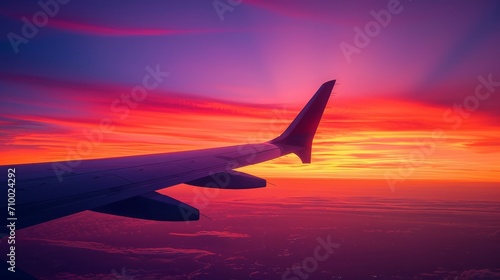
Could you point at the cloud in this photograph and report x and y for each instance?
(494, 234)
(483, 145)
(388, 231)
(221, 234)
(370, 134)
(114, 30)
(105, 248)
(305, 11)
(85, 28)
(477, 274)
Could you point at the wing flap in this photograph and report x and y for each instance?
(151, 206)
(229, 180)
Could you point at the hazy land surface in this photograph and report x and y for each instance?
(422, 230)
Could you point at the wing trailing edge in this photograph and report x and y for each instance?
(229, 180)
(151, 206)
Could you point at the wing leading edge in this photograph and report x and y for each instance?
(126, 185)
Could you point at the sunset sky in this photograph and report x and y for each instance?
(415, 109)
(241, 75)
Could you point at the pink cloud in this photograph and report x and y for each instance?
(222, 234)
(85, 28)
(105, 248)
(104, 30)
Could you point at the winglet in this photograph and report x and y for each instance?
(297, 138)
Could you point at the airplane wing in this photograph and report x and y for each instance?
(126, 186)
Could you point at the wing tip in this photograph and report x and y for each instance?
(300, 133)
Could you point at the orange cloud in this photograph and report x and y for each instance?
(362, 138)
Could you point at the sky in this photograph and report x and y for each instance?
(404, 173)
(239, 72)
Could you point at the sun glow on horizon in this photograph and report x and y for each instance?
(363, 138)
